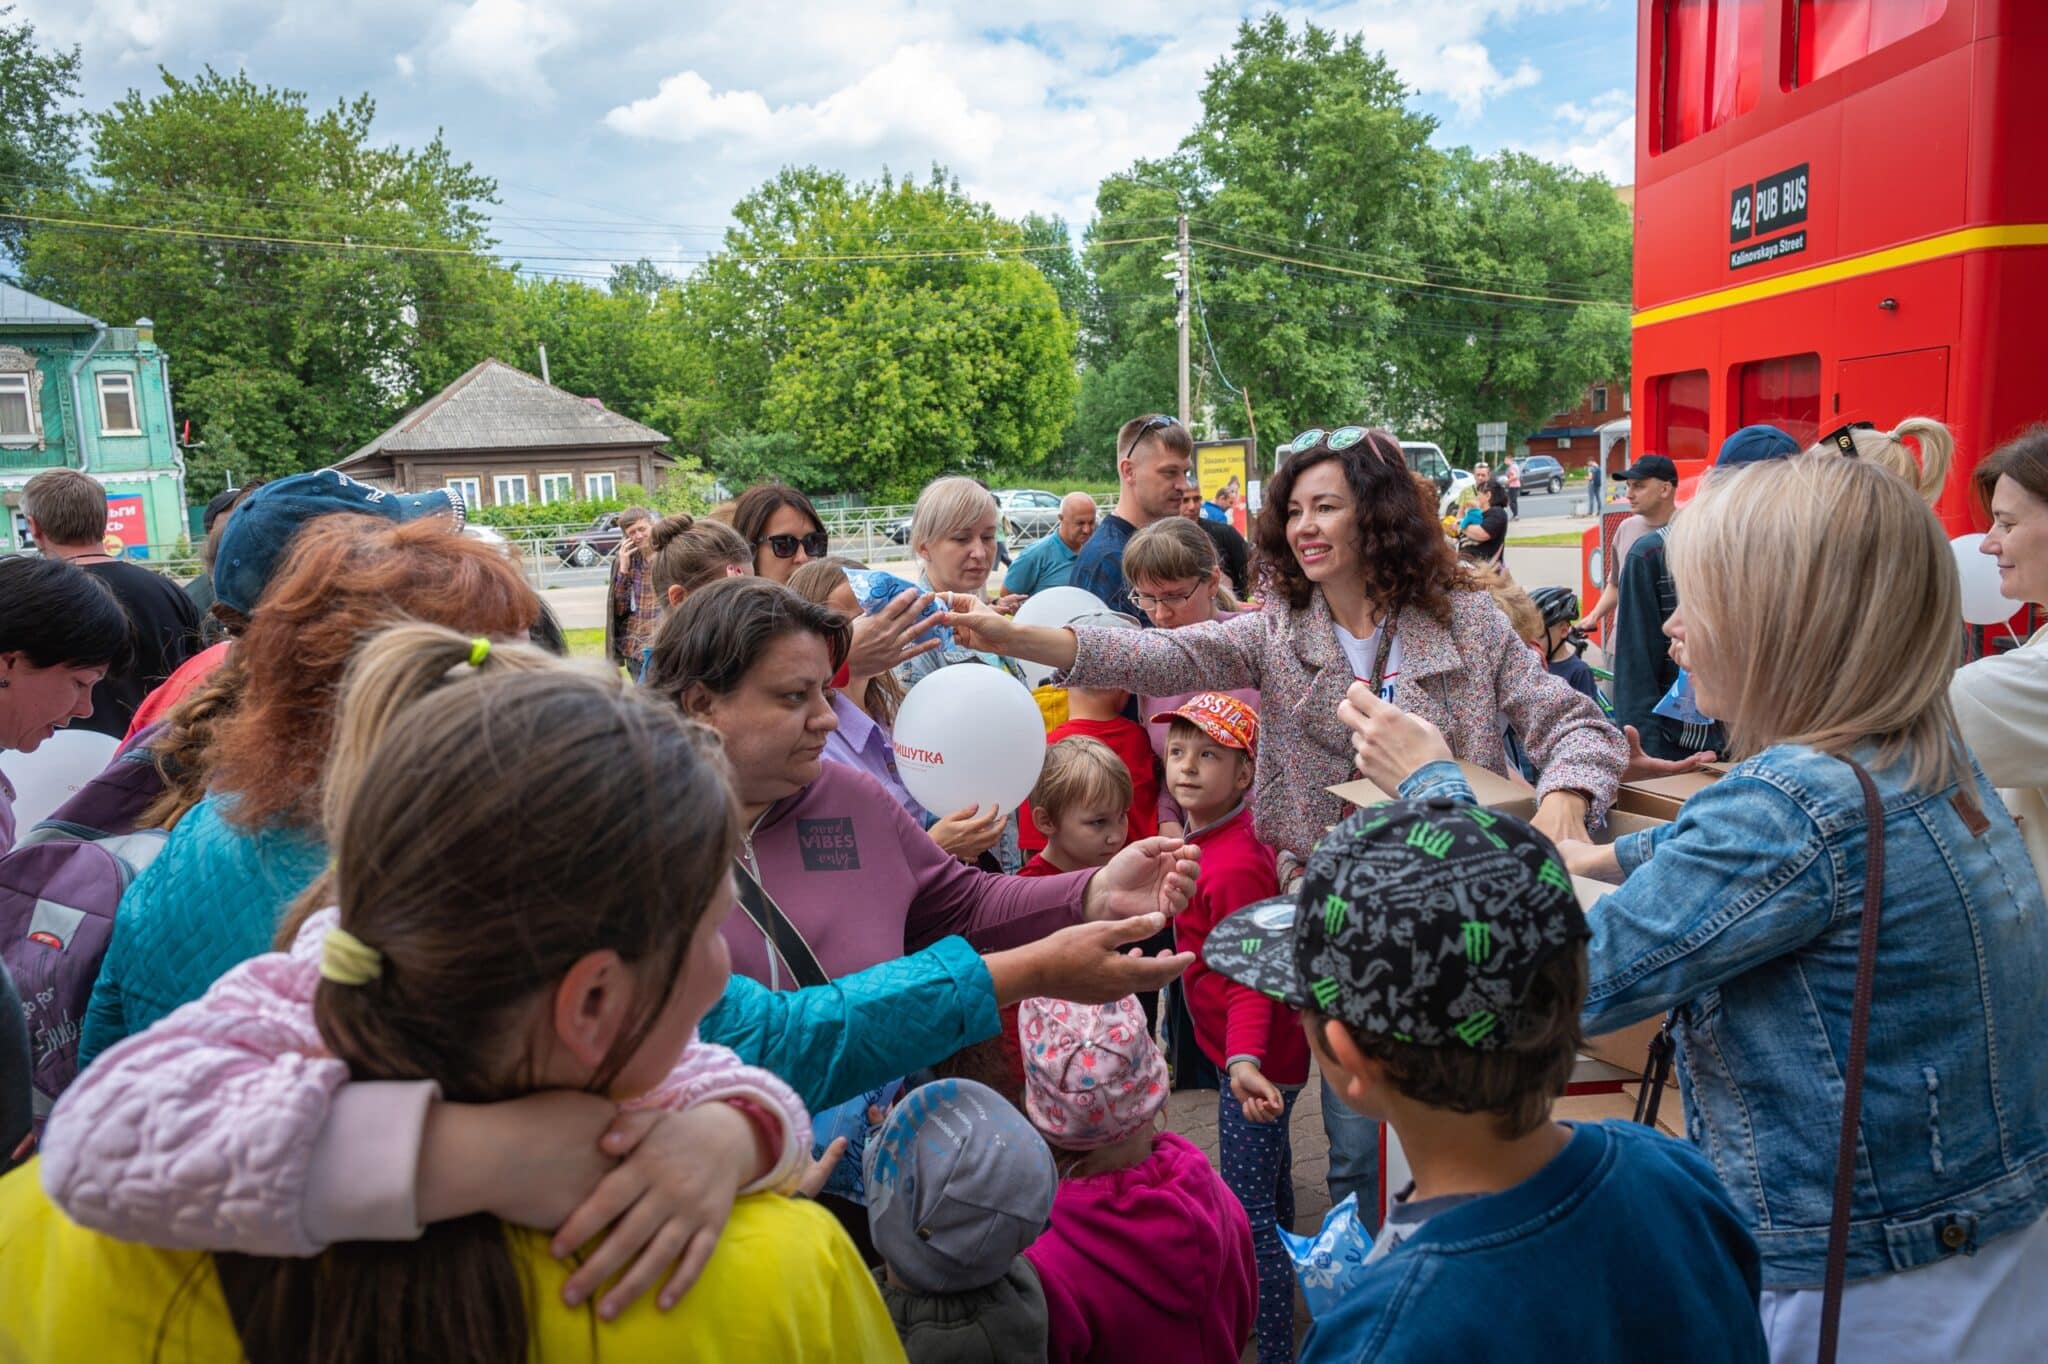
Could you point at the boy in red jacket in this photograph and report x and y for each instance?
(1211, 746)
(1096, 713)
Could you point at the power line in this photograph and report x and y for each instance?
(1398, 279)
(1370, 257)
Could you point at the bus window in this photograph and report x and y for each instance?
(1712, 64)
(1678, 415)
(1783, 392)
(1833, 33)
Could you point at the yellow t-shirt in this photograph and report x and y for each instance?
(785, 1284)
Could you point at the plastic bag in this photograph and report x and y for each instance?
(1678, 703)
(874, 589)
(1330, 1263)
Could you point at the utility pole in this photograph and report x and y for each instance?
(1181, 291)
(544, 367)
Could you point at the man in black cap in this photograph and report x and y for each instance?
(1438, 955)
(1645, 596)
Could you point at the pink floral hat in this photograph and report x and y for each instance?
(1092, 1073)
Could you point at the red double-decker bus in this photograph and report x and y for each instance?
(1841, 215)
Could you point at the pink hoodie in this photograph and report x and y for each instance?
(227, 1126)
(1152, 1262)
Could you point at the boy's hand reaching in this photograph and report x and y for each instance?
(1262, 1101)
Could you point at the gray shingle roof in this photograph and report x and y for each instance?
(496, 407)
(20, 308)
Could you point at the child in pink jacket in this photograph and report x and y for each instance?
(1149, 1255)
(227, 1126)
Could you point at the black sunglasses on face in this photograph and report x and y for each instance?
(784, 546)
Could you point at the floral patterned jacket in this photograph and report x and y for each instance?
(1464, 679)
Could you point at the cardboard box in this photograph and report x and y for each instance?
(1659, 797)
(1513, 796)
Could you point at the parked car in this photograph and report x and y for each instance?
(1541, 471)
(1427, 458)
(489, 535)
(899, 533)
(592, 546)
(1027, 513)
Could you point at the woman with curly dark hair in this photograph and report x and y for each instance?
(1363, 587)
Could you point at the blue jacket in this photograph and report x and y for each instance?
(1623, 1248)
(211, 899)
(1100, 567)
(1744, 915)
(834, 1041)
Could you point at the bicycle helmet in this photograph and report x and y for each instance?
(1556, 604)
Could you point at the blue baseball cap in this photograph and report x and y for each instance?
(1755, 444)
(261, 527)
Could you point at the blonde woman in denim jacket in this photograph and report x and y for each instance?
(1818, 619)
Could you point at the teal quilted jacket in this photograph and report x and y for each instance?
(211, 899)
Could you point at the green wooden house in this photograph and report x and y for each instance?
(78, 394)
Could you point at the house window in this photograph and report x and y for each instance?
(1678, 415)
(117, 405)
(1599, 400)
(1712, 65)
(1785, 392)
(509, 490)
(557, 487)
(470, 490)
(600, 485)
(15, 418)
(1833, 33)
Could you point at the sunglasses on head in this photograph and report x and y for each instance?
(1336, 442)
(1843, 437)
(785, 546)
(1159, 423)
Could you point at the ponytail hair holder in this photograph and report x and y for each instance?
(479, 650)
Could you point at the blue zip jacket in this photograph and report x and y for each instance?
(1744, 915)
(212, 898)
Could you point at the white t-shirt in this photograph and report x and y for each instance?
(2001, 705)
(1985, 1308)
(1362, 653)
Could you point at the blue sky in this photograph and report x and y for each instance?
(618, 128)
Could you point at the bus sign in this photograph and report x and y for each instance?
(1769, 205)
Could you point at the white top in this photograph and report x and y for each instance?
(1985, 1308)
(1362, 652)
(2001, 705)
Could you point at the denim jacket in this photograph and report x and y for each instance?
(1744, 915)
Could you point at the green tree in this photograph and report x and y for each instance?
(889, 328)
(38, 136)
(307, 282)
(1345, 270)
(617, 345)
(1555, 238)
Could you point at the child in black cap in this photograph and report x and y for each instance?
(1438, 956)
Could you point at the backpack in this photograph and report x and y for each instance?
(59, 888)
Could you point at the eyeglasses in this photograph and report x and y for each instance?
(1158, 423)
(1843, 437)
(1148, 601)
(1336, 442)
(785, 546)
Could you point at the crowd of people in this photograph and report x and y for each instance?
(408, 990)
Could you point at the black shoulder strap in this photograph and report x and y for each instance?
(782, 935)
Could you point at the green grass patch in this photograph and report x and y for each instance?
(586, 643)
(1554, 539)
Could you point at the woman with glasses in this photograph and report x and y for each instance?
(782, 526)
(1176, 579)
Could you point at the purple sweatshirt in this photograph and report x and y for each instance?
(864, 884)
(1152, 1262)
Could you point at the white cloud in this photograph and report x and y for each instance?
(403, 62)
(1598, 135)
(501, 43)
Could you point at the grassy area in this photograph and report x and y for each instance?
(1555, 538)
(586, 643)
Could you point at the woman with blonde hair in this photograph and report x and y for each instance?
(953, 534)
(1924, 473)
(1747, 916)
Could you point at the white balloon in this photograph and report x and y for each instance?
(1056, 606)
(969, 734)
(1983, 602)
(47, 777)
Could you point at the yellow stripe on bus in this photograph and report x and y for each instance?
(1891, 258)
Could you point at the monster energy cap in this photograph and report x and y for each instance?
(1425, 921)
